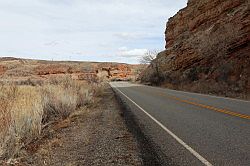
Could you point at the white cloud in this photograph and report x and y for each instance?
(128, 53)
(51, 44)
(46, 29)
(124, 48)
(129, 36)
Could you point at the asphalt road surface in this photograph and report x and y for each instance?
(189, 128)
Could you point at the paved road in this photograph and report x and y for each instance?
(190, 128)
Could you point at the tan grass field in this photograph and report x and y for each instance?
(26, 109)
(34, 94)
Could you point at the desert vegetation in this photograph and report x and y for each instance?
(148, 57)
(28, 108)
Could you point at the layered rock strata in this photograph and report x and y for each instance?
(207, 49)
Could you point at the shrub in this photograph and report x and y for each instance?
(5, 117)
(61, 96)
(97, 90)
(21, 115)
(25, 109)
(58, 103)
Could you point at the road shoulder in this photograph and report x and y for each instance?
(93, 136)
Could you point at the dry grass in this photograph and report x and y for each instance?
(25, 109)
(62, 96)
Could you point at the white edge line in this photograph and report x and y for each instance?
(191, 150)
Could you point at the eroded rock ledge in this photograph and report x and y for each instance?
(207, 49)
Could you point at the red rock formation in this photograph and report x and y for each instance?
(119, 71)
(14, 69)
(91, 76)
(2, 69)
(52, 69)
(206, 43)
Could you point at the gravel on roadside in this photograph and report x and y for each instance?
(94, 136)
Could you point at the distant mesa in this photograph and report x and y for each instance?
(21, 69)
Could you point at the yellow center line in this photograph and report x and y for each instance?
(209, 107)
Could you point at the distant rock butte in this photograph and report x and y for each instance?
(207, 49)
(112, 71)
(13, 68)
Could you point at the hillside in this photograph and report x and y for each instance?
(207, 50)
(21, 70)
(48, 110)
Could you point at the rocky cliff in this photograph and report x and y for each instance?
(207, 49)
(14, 69)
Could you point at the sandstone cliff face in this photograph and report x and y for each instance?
(207, 49)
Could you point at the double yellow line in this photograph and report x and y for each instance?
(210, 107)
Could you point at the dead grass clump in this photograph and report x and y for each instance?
(98, 89)
(6, 95)
(58, 102)
(21, 118)
(62, 96)
(29, 81)
(25, 109)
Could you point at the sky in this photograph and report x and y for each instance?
(85, 30)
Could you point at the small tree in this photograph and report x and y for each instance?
(148, 57)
